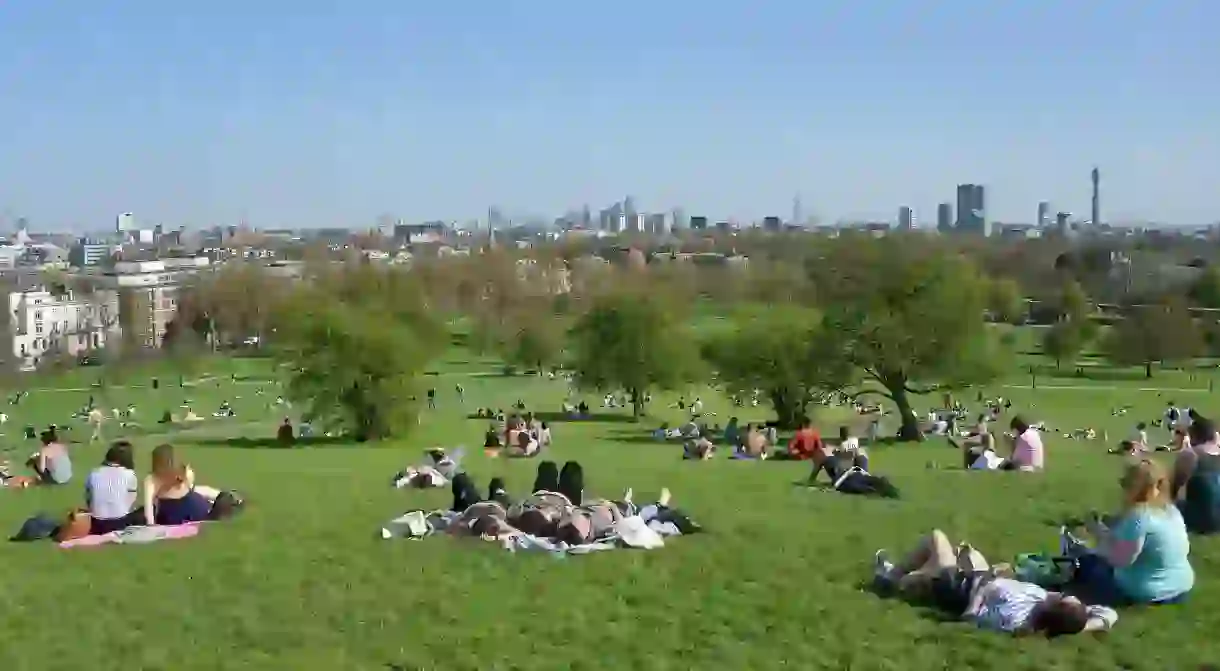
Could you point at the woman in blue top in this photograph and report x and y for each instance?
(1143, 557)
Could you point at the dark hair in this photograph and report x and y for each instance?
(49, 436)
(1141, 426)
(120, 454)
(1202, 431)
(1019, 424)
(1062, 618)
(535, 522)
(547, 479)
(844, 434)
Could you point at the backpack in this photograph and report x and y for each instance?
(77, 525)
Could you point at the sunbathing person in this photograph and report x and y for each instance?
(441, 468)
(961, 584)
(698, 449)
(525, 445)
(980, 454)
(849, 447)
(804, 445)
(1136, 444)
(848, 477)
(172, 497)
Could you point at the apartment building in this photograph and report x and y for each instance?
(44, 322)
(148, 293)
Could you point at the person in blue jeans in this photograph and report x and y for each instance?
(1143, 556)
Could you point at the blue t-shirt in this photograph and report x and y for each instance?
(1162, 569)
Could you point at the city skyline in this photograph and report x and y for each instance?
(229, 112)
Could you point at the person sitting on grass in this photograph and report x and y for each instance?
(51, 462)
(171, 496)
(698, 449)
(754, 444)
(525, 446)
(1027, 452)
(961, 584)
(1135, 445)
(849, 447)
(806, 443)
(732, 434)
(1143, 557)
(111, 491)
(491, 439)
(1196, 479)
(284, 434)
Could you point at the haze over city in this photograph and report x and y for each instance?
(325, 114)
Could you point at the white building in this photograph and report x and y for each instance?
(148, 292)
(69, 323)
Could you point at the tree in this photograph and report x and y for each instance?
(1066, 339)
(910, 317)
(1006, 302)
(783, 353)
(1073, 303)
(355, 364)
(1204, 292)
(631, 341)
(1155, 333)
(535, 343)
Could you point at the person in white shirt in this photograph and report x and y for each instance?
(1137, 443)
(849, 446)
(960, 583)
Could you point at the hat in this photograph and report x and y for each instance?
(635, 533)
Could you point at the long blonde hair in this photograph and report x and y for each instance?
(166, 469)
(1145, 483)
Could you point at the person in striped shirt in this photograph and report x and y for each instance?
(111, 491)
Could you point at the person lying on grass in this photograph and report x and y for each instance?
(1136, 444)
(960, 583)
(1142, 557)
(848, 475)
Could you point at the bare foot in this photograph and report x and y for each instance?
(627, 496)
(666, 495)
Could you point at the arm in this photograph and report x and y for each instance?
(89, 492)
(1122, 544)
(150, 500)
(1183, 467)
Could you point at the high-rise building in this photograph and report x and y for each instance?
(654, 223)
(698, 223)
(971, 209)
(629, 207)
(906, 218)
(125, 222)
(1044, 212)
(771, 224)
(679, 219)
(1061, 223)
(944, 217)
(798, 213)
(1096, 211)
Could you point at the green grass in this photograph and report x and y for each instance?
(301, 580)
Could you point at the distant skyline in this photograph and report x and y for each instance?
(314, 113)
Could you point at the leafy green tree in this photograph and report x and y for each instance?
(781, 352)
(535, 344)
(631, 341)
(1205, 290)
(1067, 339)
(1073, 302)
(1006, 302)
(910, 318)
(355, 364)
(1149, 334)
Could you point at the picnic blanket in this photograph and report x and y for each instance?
(630, 532)
(135, 536)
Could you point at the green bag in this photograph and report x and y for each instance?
(1044, 570)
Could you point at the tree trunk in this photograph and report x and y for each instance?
(909, 430)
(637, 403)
(1148, 370)
(789, 411)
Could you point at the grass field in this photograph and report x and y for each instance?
(302, 581)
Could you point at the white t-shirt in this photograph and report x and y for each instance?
(852, 444)
(1007, 604)
(1140, 437)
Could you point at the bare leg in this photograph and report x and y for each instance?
(970, 559)
(931, 555)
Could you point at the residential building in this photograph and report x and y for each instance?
(148, 293)
(45, 322)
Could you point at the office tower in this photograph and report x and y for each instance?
(125, 222)
(772, 224)
(944, 217)
(798, 214)
(629, 207)
(586, 217)
(1061, 223)
(971, 209)
(1096, 211)
(906, 218)
(1044, 211)
(698, 223)
(680, 219)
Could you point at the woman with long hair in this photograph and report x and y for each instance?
(1142, 557)
(170, 494)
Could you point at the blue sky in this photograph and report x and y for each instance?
(331, 113)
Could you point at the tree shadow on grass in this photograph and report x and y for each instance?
(644, 438)
(273, 443)
(1094, 374)
(593, 417)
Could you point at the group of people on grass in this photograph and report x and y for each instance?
(517, 435)
(558, 510)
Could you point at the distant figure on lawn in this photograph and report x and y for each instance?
(51, 462)
(961, 584)
(284, 434)
(1143, 556)
(804, 444)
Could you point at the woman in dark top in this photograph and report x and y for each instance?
(169, 491)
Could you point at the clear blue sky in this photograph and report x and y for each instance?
(330, 113)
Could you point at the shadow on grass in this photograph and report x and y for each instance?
(644, 439)
(274, 443)
(923, 609)
(1094, 374)
(598, 417)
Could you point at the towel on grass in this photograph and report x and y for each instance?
(136, 536)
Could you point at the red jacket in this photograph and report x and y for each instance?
(804, 444)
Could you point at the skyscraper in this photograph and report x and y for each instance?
(944, 217)
(1044, 211)
(971, 209)
(798, 214)
(906, 218)
(1096, 175)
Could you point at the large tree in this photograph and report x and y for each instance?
(1164, 333)
(632, 341)
(910, 317)
(356, 364)
(1065, 340)
(783, 353)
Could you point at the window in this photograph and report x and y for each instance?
(38, 327)
(38, 314)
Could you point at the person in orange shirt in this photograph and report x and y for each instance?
(804, 444)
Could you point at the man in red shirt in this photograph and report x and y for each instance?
(805, 443)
